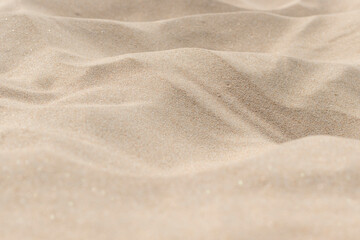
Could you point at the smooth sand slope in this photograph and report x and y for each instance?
(179, 119)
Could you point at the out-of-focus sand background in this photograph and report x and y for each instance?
(179, 119)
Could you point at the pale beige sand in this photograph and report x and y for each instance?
(179, 119)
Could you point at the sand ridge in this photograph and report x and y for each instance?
(158, 119)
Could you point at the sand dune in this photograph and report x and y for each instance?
(158, 119)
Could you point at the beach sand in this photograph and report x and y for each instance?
(179, 119)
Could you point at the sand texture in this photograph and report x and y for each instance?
(179, 119)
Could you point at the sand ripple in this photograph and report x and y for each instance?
(158, 119)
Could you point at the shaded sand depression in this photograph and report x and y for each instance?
(159, 119)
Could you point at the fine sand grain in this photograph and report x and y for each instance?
(179, 119)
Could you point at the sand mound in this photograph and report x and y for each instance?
(158, 119)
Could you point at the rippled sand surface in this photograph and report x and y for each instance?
(179, 119)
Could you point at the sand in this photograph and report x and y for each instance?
(179, 119)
